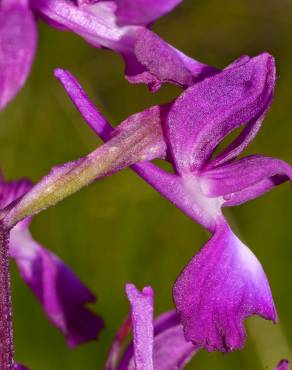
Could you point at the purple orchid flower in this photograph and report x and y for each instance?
(157, 344)
(60, 292)
(224, 283)
(120, 25)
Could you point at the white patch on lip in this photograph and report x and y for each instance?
(211, 207)
(249, 260)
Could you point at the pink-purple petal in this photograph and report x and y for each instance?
(142, 319)
(253, 191)
(18, 36)
(157, 62)
(242, 174)
(170, 349)
(207, 112)
(143, 12)
(283, 365)
(20, 367)
(87, 109)
(117, 345)
(220, 287)
(62, 295)
(9, 191)
(95, 22)
(150, 121)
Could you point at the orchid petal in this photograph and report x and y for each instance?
(170, 349)
(205, 113)
(143, 12)
(151, 119)
(84, 105)
(60, 292)
(221, 286)
(253, 191)
(95, 22)
(142, 319)
(283, 365)
(116, 347)
(9, 191)
(243, 176)
(162, 63)
(18, 37)
(20, 367)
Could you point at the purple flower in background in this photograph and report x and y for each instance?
(18, 36)
(224, 283)
(60, 292)
(19, 367)
(283, 365)
(157, 344)
(120, 25)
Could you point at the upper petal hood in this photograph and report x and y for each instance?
(208, 111)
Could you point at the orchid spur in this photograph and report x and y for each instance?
(219, 295)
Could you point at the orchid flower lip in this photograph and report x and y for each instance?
(220, 287)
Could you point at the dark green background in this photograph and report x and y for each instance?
(121, 230)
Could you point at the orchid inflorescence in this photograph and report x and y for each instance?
(224, 283)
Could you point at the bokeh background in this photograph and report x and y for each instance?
(121, 230)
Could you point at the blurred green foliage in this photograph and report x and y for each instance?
(119, 229)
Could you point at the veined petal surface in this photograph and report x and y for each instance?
(208, 111)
